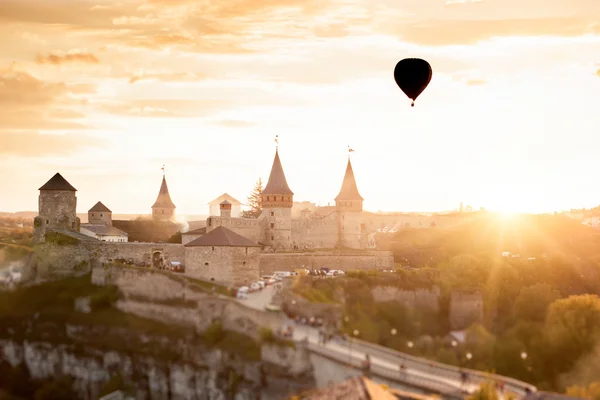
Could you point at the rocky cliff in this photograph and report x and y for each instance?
(74, 331)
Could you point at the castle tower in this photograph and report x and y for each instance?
(163, 208)
(277, 202)
(100, 215)
(349, 205)
(225, 209)
(57, 208)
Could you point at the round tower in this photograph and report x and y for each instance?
(100, 215)
(277, 201)
(57, 208)
(349, 205)
(163, 208)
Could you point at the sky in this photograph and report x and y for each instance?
(106, 92)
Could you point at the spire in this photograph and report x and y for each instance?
(164, 198)
(349, 190)
(277, 183)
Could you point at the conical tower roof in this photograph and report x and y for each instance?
(99, 207)
(349, 190)
(277, 183)
(164, 198)
(57, 182)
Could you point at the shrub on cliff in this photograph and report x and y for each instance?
(59, 389)
(214, 333)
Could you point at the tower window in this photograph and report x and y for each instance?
(163, 211)
(47, 222)
(272, 237)
(268, 198)
(206, 264)
(213, 248)
(92, 214)
(272, 225)
(244, 263)
(272, 214)
(102, 215)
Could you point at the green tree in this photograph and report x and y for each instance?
(176, 238)
(573, 326)
(592, 391)
(255, 200)
(532, 302)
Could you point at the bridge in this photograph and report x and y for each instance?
(419, 373)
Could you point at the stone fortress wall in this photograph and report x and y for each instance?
(247, 227)
(425, 299)
(466, 308)
(315, 233)
(60, 259)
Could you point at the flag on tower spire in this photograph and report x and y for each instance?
(276, 142)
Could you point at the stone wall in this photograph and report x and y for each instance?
(247, 227)
(466, 308)
(229, 266)
(144, 289)
(421, 298)
(342, 260)
(314, 233)
(54, 259)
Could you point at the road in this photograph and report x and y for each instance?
(260, 299)
(384, 362)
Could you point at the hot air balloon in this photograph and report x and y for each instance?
(412, 76)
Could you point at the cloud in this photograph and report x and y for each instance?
(232, 123)
(168, 77)
(476, 82)
(32, 104)
(34, 144)
(70, 57)
(449, 32)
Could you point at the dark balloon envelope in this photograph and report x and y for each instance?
(412, 76)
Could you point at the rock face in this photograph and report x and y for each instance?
(212, 374)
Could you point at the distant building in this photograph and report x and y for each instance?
(224, 257)
(100, 214)
(104, 233)
(215, 205)
(100, 225)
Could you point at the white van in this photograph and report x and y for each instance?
(282, 274)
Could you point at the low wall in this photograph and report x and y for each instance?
(342, 260)
(420, 298)
(59, 259)
(145, 289)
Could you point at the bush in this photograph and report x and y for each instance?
(214, 333)
(60, 389)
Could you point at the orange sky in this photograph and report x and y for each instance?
(107, 91)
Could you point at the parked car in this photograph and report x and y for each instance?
(272, 307)
(242, 293)
(255, 286)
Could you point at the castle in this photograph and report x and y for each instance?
(232, 251)
(342, 227)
